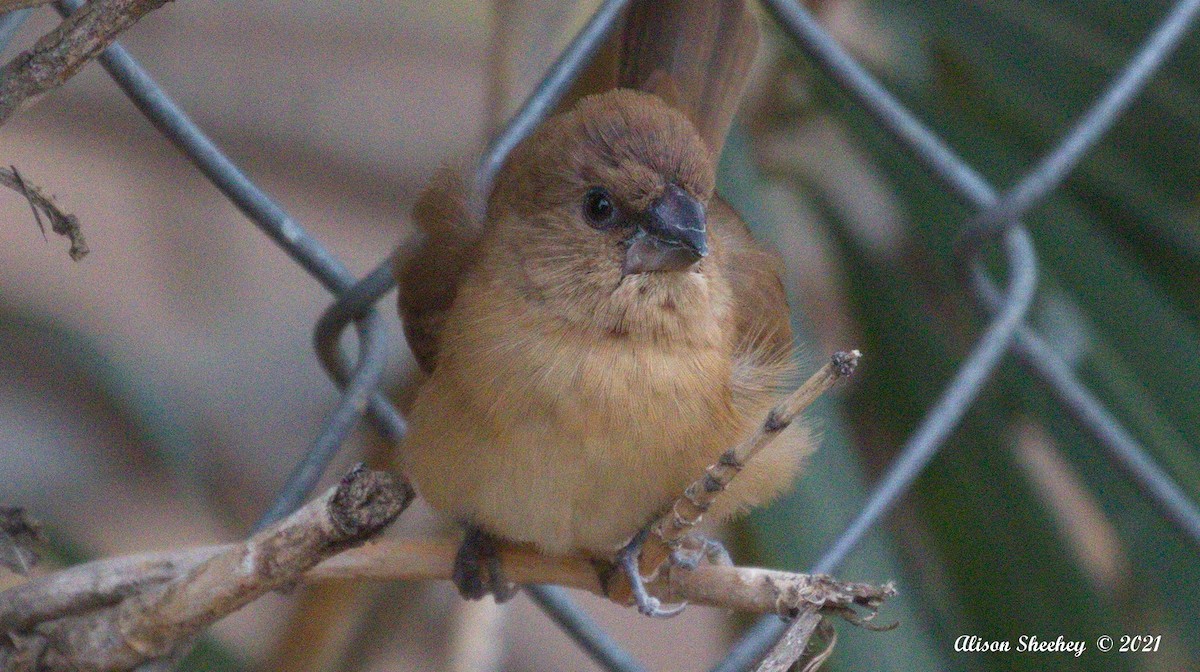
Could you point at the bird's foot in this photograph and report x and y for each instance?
(694, 548)
(476, 556)
(629, 558)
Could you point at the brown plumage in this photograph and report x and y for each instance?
(611, 326)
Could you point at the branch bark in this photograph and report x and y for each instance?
(794, 644)
(59, 54)
(161, 610)
(747, 589)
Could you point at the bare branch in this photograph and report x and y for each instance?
(59, 54)
(747, 589)
(688, 510)
(151, 623)
(94, 585)
(125, 610)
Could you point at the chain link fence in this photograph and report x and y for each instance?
(997, 221)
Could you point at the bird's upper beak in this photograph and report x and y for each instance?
(671, 236)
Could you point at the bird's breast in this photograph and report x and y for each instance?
(571, 441)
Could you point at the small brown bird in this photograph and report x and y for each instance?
(610, 327)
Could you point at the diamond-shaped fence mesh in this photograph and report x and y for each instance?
(997, 221)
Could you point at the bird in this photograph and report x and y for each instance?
(608, 326)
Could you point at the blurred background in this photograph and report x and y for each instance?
(155, 394)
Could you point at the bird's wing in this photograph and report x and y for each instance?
(694, 54)
(430, 264)
(763, 355)
(763, 365)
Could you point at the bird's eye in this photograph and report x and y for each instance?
(599, 209)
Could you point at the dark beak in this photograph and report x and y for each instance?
(671, 236)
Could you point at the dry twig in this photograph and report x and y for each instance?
(157, 616)
(18, 534)
(800, 633)
(49, 63)
(62, 223)
(59, 54)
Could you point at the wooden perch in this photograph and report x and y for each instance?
(158, 615)
(748, 589)
(223, 587)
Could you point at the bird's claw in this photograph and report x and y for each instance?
(686, 558)
(647, 604)
(696, 548)
(654, 609)
(476, 555)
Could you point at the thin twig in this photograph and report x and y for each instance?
(153, 622)
(688, 510)
(792, 647)
(23, 189)
(62, 223)
(59, 54)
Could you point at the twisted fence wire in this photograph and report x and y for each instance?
(997, 215)
(273, 220)
(1036, 185)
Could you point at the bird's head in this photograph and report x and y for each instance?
(604, 212)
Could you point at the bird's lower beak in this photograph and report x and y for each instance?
(672, 235)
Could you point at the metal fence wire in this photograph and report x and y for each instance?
(998, 218)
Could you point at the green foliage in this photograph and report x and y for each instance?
(983, 549)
